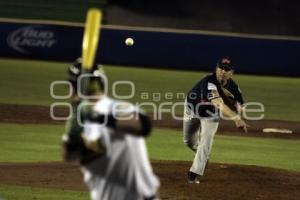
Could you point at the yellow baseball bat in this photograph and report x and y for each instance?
(91, 37)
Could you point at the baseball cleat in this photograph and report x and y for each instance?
(193, 178)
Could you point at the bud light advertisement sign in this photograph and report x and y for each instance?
(25, 39)
(153, 48)
(41, 42)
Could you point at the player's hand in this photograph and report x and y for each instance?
(242, 125)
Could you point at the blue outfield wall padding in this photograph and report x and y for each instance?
(38, 41)
(184, 51)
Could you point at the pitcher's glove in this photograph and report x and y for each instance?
(230, 101)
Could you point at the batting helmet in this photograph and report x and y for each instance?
(75, 69)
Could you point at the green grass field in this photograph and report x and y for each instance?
(28, 82)
(23, 193)
(41, 143)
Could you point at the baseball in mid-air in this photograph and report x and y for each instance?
(129, 42)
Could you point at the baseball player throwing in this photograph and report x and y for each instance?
(111, 146)
(214, 93)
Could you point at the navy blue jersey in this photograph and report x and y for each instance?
(208, 88)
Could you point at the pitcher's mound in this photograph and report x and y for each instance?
(221, 181)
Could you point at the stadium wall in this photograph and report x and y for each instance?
(278, 17)
(163, 48)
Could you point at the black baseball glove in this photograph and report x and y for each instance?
(230, 101)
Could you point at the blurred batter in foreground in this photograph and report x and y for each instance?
(107, 137)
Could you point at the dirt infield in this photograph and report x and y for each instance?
(27, 114)
(221, 181)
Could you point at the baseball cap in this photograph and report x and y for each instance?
(225, 63)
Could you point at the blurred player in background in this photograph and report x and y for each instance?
(215, 93)
(110, 146)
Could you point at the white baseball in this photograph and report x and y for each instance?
(129, 41)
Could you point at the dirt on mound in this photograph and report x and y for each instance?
(221, 181)
(28, 114)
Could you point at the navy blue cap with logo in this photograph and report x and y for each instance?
(225, 64)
